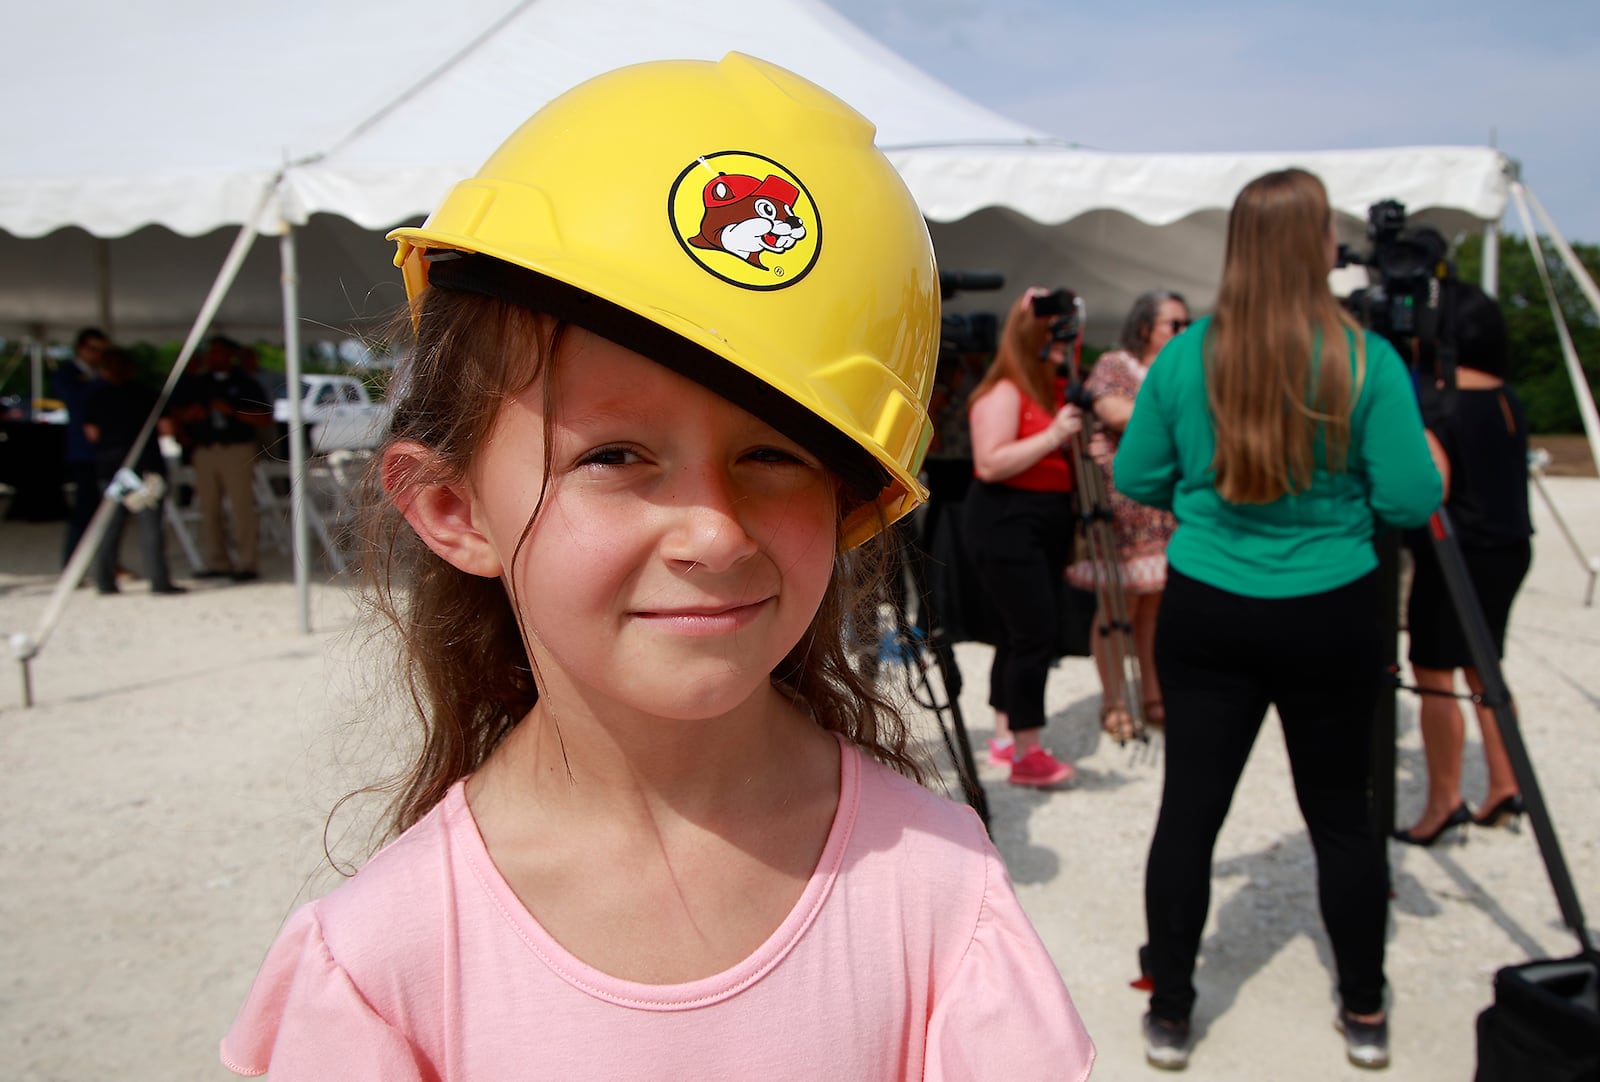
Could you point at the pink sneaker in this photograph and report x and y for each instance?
(1001, 754)
(1040, 769)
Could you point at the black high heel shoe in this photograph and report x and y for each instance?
(1509, 808)
(1460, 817)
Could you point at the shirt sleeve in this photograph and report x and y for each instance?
(1006, 1015)
(1405, 484)
(1099, 375)
(1111, 375)
(305, 1019)
(1146, 469)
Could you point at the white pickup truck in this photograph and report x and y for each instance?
(338, 412)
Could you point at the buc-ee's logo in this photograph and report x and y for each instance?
(745, 219)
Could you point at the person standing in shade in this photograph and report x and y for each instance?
(118, 406)
(70, 382)
(221, 410)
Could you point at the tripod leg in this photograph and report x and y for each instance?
(934, 642)
(1114, 629)
(966, 768)
(1480, 644)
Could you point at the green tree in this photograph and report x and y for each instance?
(1537, 366)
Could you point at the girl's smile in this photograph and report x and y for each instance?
(704, 620)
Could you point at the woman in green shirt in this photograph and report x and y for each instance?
(1281, 436)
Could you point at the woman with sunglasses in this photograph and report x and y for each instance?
(1141, 532)
(1281, 435)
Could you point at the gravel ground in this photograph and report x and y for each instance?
(170, 786)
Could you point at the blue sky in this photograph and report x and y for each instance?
(1241, 75)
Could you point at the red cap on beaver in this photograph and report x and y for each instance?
(729, 188)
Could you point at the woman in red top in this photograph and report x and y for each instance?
(1019, 523)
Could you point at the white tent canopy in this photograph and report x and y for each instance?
(141, 137)
(152, 127)
(1113, 225)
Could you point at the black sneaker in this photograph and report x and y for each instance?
(1365, 1043)
(244, 576)
(1166, 1044)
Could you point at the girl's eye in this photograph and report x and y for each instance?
(608, 456)
(776, 456)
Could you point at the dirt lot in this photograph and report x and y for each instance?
(168, 792)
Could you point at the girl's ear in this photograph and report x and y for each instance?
(440, 513)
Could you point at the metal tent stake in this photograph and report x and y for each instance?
(24, 649)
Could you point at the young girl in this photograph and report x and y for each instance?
(675, 343)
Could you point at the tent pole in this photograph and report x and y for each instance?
(297, 431)
(102, 278)
(1489, 279)
(25, 647)
(1579, 273)
(1575, 373)
(36, 372)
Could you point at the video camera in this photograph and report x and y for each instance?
(1065, 312)
(978, 332)
(1411, 302)
(1064, 309)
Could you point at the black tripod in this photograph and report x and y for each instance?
(1496, 696)
(927, 644)
(1113, 627)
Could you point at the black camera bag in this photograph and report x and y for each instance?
(1544, 1025)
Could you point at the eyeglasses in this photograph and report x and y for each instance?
(1178, 325)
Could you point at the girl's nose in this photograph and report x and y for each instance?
(707, 525)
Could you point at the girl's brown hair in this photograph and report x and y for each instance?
(462, 662)
(1277, 354)
(1018, 356)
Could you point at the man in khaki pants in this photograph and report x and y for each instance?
(221, 411)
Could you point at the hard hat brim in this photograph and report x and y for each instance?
(470, 272)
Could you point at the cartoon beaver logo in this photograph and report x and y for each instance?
(751, 222)
(745, 217)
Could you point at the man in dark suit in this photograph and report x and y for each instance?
(220, 410)
(70, 382)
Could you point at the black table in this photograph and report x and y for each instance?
(33, 463)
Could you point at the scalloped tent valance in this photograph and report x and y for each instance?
(149, 128)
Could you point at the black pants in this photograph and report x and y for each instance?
(86, 490)
(1223, 659)
(152, 548)
(1019, 542)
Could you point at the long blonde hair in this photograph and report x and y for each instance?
(1277, 329)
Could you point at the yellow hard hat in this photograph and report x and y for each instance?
(732, 221)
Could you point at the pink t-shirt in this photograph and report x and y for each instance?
(907, 956)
